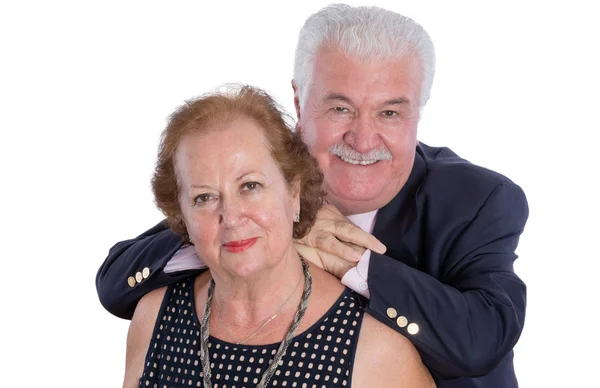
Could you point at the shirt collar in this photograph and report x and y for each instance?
(365, 221)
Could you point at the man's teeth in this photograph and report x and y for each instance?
(354, 161)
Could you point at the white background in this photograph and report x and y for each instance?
(85, 89)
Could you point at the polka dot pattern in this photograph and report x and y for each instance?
(322, 356)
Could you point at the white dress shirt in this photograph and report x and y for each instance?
(357, 278)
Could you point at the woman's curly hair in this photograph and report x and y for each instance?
(211, 111)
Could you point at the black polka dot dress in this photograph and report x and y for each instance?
(322, 356)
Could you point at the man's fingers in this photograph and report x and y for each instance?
(357, 248)
(328, 243)
(350, 233)
(336, 265)
(327, 261)
(309, 254)
(334, 233)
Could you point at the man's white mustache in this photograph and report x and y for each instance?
(344, 151)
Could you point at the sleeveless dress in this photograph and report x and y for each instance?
(322, 356)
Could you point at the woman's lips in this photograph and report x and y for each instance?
(240, 245)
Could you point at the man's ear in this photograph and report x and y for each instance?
(296, 101)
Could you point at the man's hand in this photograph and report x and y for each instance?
(337, 244)
(328, 262)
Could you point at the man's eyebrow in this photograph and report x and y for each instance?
(341, 97)
(397, 101)
(338, 97)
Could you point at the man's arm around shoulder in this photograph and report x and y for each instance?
(135, 267)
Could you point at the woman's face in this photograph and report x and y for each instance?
(235, 202)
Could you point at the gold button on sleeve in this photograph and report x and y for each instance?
(413, 328)
(139, 277)
(391, 312)
(146, 272)
(131, 281)
(402, 321)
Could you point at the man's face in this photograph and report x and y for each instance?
(360, 122)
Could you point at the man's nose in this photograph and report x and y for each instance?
(363, 134)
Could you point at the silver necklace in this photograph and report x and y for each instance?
(262, 326)
(268, 373)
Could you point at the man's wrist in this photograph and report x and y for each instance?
(357, 278)
(184, 259)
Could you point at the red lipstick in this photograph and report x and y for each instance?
(240, 245)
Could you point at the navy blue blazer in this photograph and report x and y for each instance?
(446, 281)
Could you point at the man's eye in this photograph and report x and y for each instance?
(389, 113)
(251, 186)
(203, 198)
(340, 109)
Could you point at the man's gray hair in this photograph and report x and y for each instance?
(362, 32)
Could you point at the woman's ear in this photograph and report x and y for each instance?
(296, 196)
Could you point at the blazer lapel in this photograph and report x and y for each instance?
(396, 225)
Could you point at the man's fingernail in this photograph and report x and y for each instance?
(381, 248)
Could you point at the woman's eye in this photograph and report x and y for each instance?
(251, 185)
(203, 198)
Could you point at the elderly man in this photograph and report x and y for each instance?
(440, 267)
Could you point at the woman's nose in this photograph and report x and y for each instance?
(232, 213)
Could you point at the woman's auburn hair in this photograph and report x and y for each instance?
(211, 112)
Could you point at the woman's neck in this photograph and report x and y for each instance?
(244, 303)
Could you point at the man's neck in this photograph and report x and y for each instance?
(365, 221)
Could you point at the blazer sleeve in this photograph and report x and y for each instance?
(148, 253)
(471, 314)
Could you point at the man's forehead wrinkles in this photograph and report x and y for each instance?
(332, 96)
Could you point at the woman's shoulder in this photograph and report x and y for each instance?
(146, 312)
(140, 334)
(326, 291)
(325, 283)
(149, 307)
(151, 300)
(385, 357)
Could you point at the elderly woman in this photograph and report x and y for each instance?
(239, 185)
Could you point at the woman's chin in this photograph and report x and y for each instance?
(243, 265)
